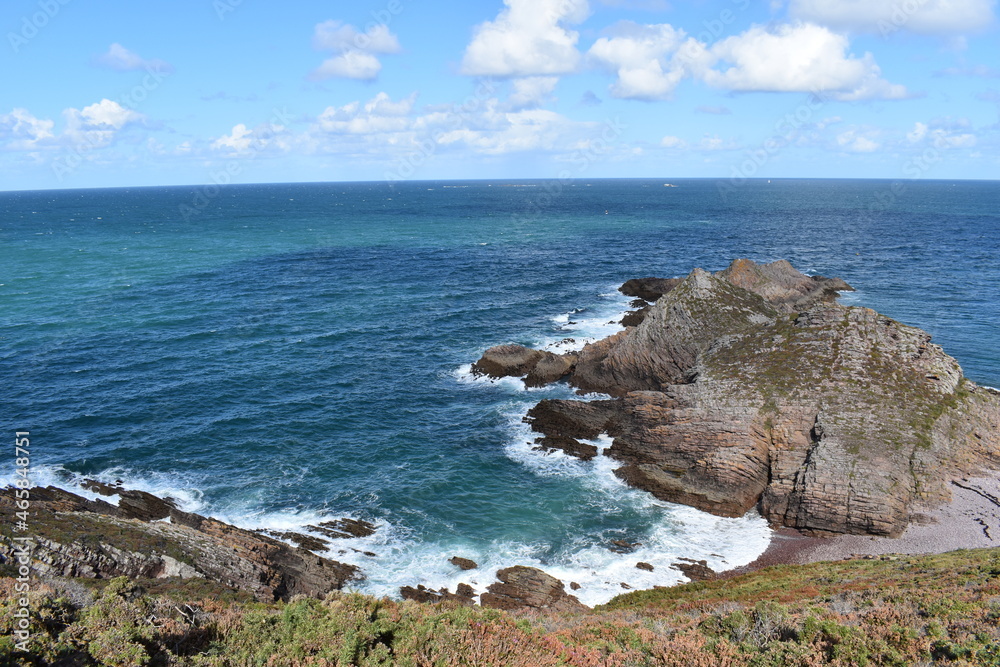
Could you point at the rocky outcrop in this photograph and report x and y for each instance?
(146, 536)
(649, 289)
(538, 368)
(752, 387)
(696, 570)
(463, 595)
(529, 588)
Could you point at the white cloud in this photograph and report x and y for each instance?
(242, 140)
(717, 143)
(378, 115)
(943, 133)
(527, 38)
(97, 125)
(673, 142)
(532, 91)
(798, 58)
(338, 36)
(528, 130)
(355, 50)
(857, 142)
(20, 130)
(917, 134)
(108, 113)
(643, 57)
(350, 65)
(888, 16)
(121, 59)
(649, 61)
(237, 141)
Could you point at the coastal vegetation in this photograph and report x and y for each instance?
(894, 610)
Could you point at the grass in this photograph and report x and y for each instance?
(942, 609)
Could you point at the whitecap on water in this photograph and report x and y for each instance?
(677, 531)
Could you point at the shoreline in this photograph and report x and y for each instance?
(971, 520)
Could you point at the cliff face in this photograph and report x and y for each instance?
(753, 387)
(145, 536)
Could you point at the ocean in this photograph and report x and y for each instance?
(278, 355)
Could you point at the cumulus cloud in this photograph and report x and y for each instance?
(242, 140)
(355, 51)
(93, 126)
(20, 130)
(350, 65)
(108, 113)
(379, 115)
(532, 91)
(527, 38)
(943, 133)
(798, 58)
(121, 59)
(887, 16)
(649, 61)
(644, 59)
(857, 141)
(673, 142)
(97, 125)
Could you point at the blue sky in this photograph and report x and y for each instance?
(121, 93)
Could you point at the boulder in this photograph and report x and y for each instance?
(527, 587)
(463, 563)
(507, 361)
(696, 570)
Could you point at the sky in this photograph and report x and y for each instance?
(114, 93)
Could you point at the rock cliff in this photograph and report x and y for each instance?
(753, 387)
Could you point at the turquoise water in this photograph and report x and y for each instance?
(294, 352)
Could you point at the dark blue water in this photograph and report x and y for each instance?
(278, 354)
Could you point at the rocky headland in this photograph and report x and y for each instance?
(754, 388)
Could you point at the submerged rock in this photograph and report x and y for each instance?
(345, 528)
(752, 387)
(463, 563)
